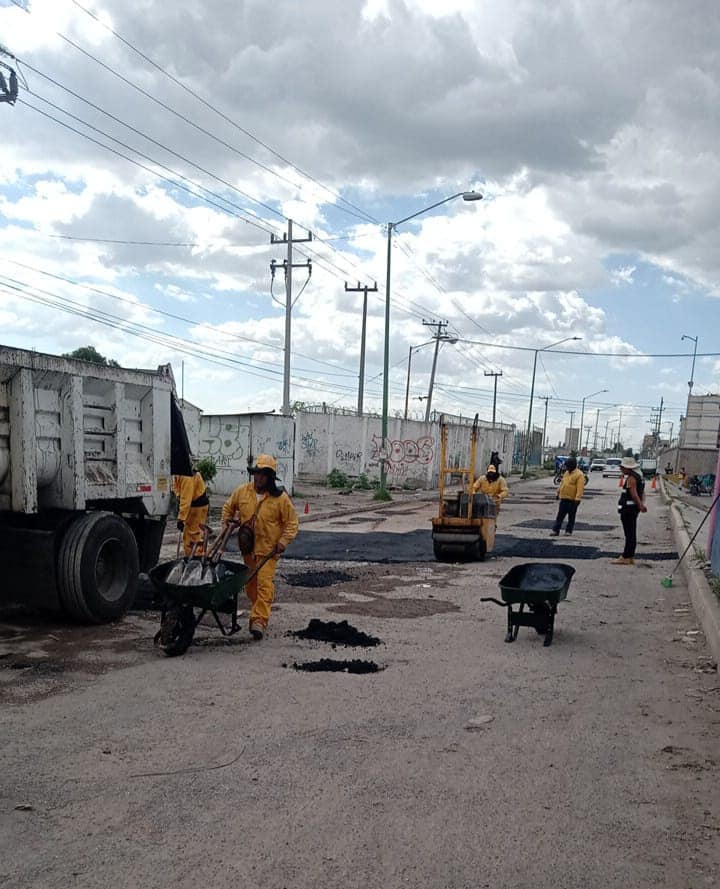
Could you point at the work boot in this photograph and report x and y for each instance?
(623, 561)
(568, 533)
(257, 630)
(554, 533)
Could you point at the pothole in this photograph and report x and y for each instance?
(318, 578)
(328, 665)
(337, 633)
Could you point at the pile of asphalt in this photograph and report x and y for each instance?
(331, 666)
(336, 633)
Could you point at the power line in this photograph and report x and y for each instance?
(172, 315)
(229, 120)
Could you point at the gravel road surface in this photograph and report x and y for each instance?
(464, 762)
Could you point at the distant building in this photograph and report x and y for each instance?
(572, 439)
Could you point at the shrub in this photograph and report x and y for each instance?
(337, 479)
(207, 468)
(363, 483)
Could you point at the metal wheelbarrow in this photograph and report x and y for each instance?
(539, 587)
(215, 588)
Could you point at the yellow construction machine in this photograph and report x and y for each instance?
(464, 527)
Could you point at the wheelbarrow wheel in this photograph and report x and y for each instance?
(177, 630)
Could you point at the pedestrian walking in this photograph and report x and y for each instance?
(570, 493)
(269, 524)
(191, 491)
(630, 505)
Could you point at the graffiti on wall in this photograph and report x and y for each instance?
(309, 444)
(224, 442)
(404, 454)
(347, 457)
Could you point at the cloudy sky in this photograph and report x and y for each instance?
(137, 208)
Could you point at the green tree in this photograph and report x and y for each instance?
(90, 353)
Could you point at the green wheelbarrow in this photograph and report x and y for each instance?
(192, 587)
(537, 587)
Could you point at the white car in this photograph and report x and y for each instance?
(597, 466)
(612, 468)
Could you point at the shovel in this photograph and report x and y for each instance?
(667, 582)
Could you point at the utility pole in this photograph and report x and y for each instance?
(288, 265)
(495, 374)
(587, 437)
(545, 398)
(597, 417)
(440, 335)
(619, 430)
(605, 437)
(365, 289)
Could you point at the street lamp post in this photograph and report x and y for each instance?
(582, 410)
(532, 395)
(691, 381)
(407, 383)
(466, 196)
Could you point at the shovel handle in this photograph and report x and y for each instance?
(259, 565)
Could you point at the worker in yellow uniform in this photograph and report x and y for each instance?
(572, 488)
(191, 490)
(494, 485)
(268, 514)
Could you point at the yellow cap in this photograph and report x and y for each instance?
(492, 468)
(265, 461)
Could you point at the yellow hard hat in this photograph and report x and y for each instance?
(265, 461)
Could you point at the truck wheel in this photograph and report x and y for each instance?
(97, 568)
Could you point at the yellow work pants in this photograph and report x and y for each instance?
(261, 589)
(193, 532)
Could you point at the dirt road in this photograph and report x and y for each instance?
(464, 762)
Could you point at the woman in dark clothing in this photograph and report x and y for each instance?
(630, 505)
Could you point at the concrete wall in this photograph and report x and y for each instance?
(235, 440)
(697, 461)
(353, 445)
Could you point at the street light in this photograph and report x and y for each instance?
(466, 196)
(683, 428)
(582, 410)
(407, 384)
(532, 394)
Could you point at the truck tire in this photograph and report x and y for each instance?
(97, 568)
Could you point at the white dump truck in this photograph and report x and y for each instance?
(87, 454)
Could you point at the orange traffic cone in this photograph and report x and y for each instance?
(653, 486)
(307, 508)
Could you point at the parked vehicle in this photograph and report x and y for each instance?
(597, 466)
(86, 457)
(648, 467)
(612, 468)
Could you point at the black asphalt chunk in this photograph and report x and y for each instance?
(335, 632)
(314, 579)
(327, 665)
(373, 546)
(552, 548)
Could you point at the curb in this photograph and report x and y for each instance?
(705, 604)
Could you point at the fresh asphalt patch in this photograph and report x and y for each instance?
(416, 546)
(542, 524)
(372, 546)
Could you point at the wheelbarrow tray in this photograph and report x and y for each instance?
(536, 583)
(220, 596)
(537, 586)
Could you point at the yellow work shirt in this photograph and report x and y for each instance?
(276, 521)
(572, 486)
(498, 489)
(188, 488)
